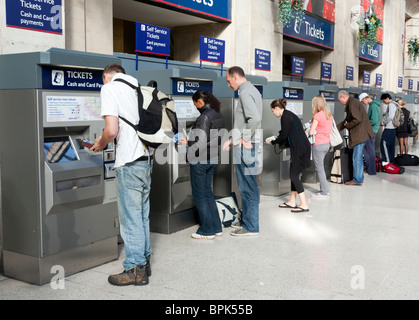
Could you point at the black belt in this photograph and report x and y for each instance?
(144, 158)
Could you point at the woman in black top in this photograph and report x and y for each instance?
(293, 132)
(403, 131)
(204, 141)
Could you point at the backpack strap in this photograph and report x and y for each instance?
(139, 94)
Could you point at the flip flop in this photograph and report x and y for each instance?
(299, 209)
(286, 206)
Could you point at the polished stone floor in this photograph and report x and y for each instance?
(361, 243)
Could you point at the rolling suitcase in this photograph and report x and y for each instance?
(342, 170)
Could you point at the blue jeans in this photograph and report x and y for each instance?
(133, 189)
(201, 178)
(358, 162)
(246, 165)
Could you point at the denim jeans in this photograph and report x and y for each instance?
(246, 165)
(201, 179)
(133, 189)
(358, 162)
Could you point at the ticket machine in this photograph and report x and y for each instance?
(225, 179)
(58, 198)
(275, 178)
(171, 204)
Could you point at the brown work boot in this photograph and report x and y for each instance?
(137, 276)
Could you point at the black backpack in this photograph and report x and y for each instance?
(158, 121)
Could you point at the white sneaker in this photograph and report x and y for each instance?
(218, 234)
(201, 237)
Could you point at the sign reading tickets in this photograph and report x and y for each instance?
(312, 30)
(350, 73)
(372, 54)
(35, 15)
(187, 87)
(218, 10)
(152, 39)
(212, 50)
(60, 78)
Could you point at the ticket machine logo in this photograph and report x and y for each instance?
(57, 78)
(181, 86)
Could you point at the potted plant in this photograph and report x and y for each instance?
(289, 10)
(413, 50)
(369, 24)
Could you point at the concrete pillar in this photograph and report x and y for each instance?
(89, 25)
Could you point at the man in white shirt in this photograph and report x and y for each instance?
(133, 166)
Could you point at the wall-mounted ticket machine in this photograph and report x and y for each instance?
(171, 204)
(58, 198)
(275, 178)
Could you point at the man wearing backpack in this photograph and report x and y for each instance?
(133, 165)
(388, 138)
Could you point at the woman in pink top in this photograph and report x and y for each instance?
(320, 128)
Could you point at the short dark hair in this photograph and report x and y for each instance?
(114, 68)
(385, 96)
(236, 70)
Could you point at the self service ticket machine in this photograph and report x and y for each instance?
(275, 178)
(225, 179)
(171, 204)
(58, 198)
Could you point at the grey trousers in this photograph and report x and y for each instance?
(319, 153)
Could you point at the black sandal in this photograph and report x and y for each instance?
(286, 206)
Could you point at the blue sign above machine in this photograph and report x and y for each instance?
(378, 79)
(43, 16)
(326, 70)
(59, 78)
(213, 9)
(298, 66)
(187, 87)
(212, 50)
(366, 77)
(315, 31)
(374, 54)
(410, 84)
(349, 73)
(400, 82)
(262, 60)
(152, 39)
(293, 94)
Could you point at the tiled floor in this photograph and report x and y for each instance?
(359, 244)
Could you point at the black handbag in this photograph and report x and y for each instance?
(411, 126)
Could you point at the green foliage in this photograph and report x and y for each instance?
(369, 24)
(289, 10)
(413, 50)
